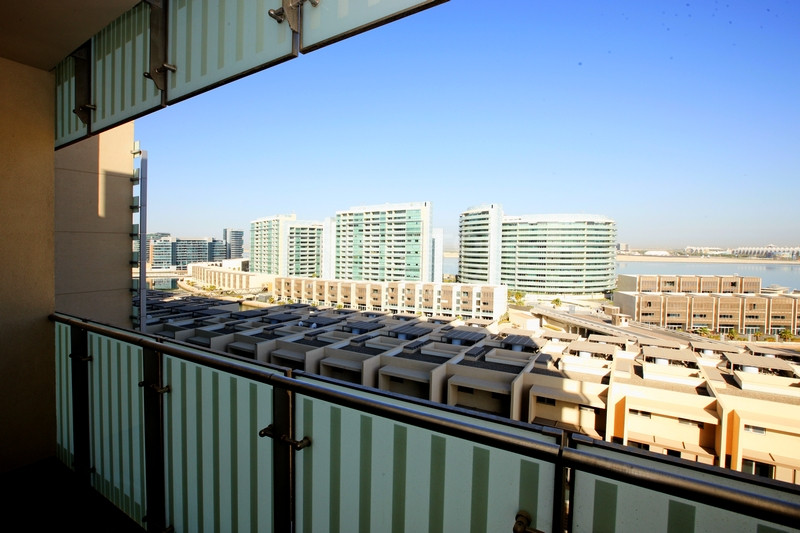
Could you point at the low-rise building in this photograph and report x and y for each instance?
(723, 304)
(429, 299)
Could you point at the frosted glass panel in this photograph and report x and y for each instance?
(610, 505)
(215, 41)
(333, 20)
(368, 473)
(121, 55)
(68, 127)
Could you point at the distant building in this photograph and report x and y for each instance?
(268, 246)
(480, 236)
(234, 240)
(771, 250)
(304, 249)
(231, 274)
(390, 242)
(172, 253)
(469, 301)
(149, 237)
(284, 246)
(543, 254)
(716, 303)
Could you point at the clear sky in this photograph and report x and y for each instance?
(679, 120)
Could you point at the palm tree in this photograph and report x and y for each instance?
(556, 302)
(785, 335)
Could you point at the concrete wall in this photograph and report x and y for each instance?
(27, 401)
(93, 220)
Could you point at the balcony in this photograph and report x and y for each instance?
(190, 439)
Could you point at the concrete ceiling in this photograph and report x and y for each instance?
(40, 33)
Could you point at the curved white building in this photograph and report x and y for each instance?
(543, 254)
(479, 231)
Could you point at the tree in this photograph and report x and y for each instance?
(786, 335)
(704, 331)
(556, 302)
(732, 335)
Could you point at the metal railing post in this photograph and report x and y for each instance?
(153, 392)
(282, 461)
(559, 489)
(79, 356)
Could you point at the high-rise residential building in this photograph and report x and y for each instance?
(390, 242)
(479, 233)
(234, 239)
(542, 254)
(304, 253)
(267, 243)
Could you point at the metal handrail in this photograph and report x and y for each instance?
(786, 513)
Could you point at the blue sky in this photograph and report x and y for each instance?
(679, 120)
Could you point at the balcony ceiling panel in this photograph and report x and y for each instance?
(40, 33)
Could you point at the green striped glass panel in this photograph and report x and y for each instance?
(368, 473)
(639, 509)
(64, 442)
(218, 470)
(216, 41)
(120, 57)
(117, 423)
(68, 127)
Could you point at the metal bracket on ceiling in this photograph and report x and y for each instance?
(83, 82)
(289, 12)
(158, 46)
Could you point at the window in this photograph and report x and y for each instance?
(645, 414)
(755, 429)
(757, 468)
(545, 401)
(688, 422)
(466, 390)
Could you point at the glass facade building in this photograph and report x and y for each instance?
(234, 239)
(541, 254)
(384, 243)
(267, 247)
(479, 238)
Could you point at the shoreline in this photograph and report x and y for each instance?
(621, 258)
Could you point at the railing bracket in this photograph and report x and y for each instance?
(81, 357)
(288, 12)
(159, 390)
(297, 445)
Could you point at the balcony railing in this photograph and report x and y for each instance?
(194, 440)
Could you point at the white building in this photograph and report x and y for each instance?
(268, 245)
(542, 254)
(479, 233)
(304, 250)
(234, 239)
(390, 242)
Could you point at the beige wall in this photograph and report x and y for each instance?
(27, 401)
(93, 218)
